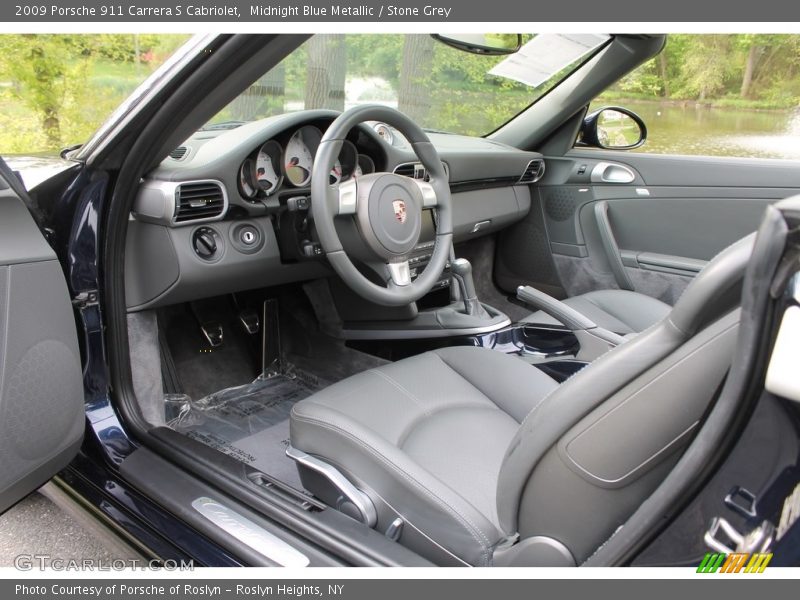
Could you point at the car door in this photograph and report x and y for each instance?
(608, 219)
(41, 389)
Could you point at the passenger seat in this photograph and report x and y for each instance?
(620, 311)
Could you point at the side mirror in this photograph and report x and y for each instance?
(493, 44)
(613, 128)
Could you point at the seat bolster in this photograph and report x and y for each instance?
(573, 399)
(387, 474)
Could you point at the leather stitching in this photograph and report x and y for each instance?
(605, 309)
(475, 532)
(472, 385)
(598, 361)
(400, 387)
(470, 527)
(492, 402)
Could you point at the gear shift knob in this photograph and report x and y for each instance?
(462, 269)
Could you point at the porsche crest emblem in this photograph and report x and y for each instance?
(400, 210)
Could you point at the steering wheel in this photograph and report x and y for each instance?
(387, 210)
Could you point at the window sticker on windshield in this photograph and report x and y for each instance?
(545, 55)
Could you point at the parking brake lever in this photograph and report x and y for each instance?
(593, 339)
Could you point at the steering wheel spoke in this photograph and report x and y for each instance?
(429, 199)
(399, 273)
(347, 197)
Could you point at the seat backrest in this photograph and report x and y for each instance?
(588, 455)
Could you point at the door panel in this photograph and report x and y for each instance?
(657, 231)
(41, 389)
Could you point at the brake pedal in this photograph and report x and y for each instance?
(213, 333)
(250, 321)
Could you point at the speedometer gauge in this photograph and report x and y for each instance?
(298, 160)
(267, 167)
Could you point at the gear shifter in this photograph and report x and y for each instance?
(461, 269)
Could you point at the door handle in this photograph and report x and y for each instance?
(610, 246)
(606, 172)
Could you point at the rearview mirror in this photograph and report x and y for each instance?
(482, 43)
(613, 128)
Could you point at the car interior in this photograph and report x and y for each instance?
(486, 350)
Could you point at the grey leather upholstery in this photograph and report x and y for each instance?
(431, 432)
(620, 311)
(489, 462)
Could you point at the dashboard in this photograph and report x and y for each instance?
(229, 209)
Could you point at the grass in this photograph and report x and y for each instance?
(619, 96)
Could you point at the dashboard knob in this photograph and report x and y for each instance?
(204, 243)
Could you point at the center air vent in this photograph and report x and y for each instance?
(533, 172)
(196, 201)
(179, 152)
(417, 170)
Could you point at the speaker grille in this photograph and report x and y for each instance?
(560, 203)
(35, 400)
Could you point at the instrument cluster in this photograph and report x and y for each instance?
(287, 162)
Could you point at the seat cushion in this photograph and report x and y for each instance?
(620, 311)
(425, 438)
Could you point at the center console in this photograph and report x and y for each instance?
(421, 255)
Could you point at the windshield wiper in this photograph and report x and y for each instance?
(223, 125)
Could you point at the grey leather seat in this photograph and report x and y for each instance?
(471, 456)
(620, 311)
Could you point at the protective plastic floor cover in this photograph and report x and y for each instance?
(248, 422)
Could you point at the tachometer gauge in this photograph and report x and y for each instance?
(345, 164)
(298, 160)
(247, 184)
(268, 168)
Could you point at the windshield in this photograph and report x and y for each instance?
(439, 87)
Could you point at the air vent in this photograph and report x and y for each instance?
(196, 201)
(533, 172)
(179, 152)
(417, 171)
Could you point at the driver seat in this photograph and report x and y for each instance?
(469, 456)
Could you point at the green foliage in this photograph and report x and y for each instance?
(55, 90)
(712, 69)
